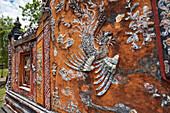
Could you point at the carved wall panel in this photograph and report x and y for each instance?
(104, 51)
(47, 89)
(164, 19)
(17, 73)
(40, 71)
(94, 56)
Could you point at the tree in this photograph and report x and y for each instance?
(6, 26)
(31, 12)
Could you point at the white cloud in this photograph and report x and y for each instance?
(11, 8)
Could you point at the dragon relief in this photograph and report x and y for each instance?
(88, 25)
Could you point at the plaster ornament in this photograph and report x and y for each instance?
(52, 28)
(132, 38)
(168, 98)
(148, 38)
(169, 51)
(142, 25)
(166, 24)
(60, 38)
(164, 14)
(69, 41)
(108, 67)
(67, 92)
(149, 87)
(59, 7)
(39, 69)
(166, 43)
(120, 79)
(79, 75)
(132, 111)
(165, 98)
(115, 81)
(167, 66)
(85, 64)
(90, 55)
(33, 68)
(134, 47)
(128, 4)
(54, 66)
(39, 80)
(119, 17)
(119, 108)
(55, 51)
(63, 72)
(73, 4)
(70, 108)
(145, 9)
(93, 5)
(156, 95)
(65, 23)
(34, 72)
(51, 7)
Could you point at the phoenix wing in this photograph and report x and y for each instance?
(106, 70)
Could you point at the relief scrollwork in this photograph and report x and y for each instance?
(39, 68)
(92, 57)
(139, 25)
(54, 66)
(70, 108)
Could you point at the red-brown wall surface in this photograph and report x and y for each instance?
(140, 66)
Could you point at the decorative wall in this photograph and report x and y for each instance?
(47, 89)
(40, 71)
(163, 12)
(94, 56)
(102, 54)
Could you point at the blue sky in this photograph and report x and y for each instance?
(11, 8)
(11, 1)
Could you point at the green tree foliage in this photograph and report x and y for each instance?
(6, 26)
(31, 12)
